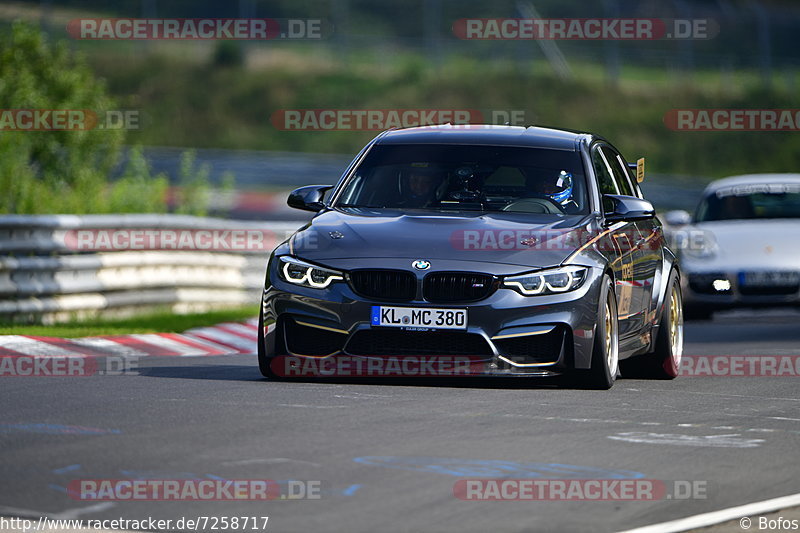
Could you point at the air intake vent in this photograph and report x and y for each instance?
(526, 349)
(307, 340)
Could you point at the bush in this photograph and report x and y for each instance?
(193, 193)
(68, 171)
(137, 191)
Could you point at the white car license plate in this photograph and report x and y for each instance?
(419, 317)
(769, 279)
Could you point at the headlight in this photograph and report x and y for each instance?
(308, 275)
(700, 245)
(552, 281)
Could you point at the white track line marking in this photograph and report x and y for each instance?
(717, 517)
(725, 394)
(641, 423)
(274, 460)
(74, 513)
(17, 511)
(303, 406)
(708, 441)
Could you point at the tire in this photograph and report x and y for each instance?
(263, 360)
(664, 362)
(605, 351)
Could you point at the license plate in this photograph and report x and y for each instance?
(769, 279)
(419, 317)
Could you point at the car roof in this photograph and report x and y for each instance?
(751, 179)
(487, 134)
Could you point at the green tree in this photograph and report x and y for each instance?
(44, 170)
(65, 171)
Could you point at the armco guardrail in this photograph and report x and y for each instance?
(57, 267)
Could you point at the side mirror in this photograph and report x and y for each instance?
(627, 208)
(308, 198)
(677, 218)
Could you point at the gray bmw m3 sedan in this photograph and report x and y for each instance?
(525, 251)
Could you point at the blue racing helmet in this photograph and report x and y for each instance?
(563, 188)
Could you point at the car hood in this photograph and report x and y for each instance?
(752, 244)
(342, 238)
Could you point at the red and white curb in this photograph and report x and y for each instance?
(230, 338)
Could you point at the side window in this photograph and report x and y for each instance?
(604, 179)
(621, 175)
(637, 191)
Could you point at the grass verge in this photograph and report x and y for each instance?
(160, 322)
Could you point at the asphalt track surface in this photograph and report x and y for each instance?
(388, 454)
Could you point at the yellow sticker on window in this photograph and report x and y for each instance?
(640, 170)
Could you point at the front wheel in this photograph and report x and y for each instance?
(665, 361)
(605, 353)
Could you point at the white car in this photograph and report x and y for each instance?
(742, 246)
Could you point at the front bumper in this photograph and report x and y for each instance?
(507, 334)
(721, 289)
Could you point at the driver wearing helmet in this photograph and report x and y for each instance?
(421, 188)
(559, 189)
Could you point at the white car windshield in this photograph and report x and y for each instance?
(770, 200)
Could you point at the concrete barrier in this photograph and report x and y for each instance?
(59, 267)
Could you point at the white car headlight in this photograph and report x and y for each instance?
(700, 245)
(552, 281)
(308, 275)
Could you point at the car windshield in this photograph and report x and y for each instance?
(438, 177)
(772, 200)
